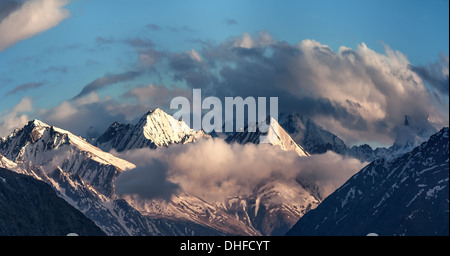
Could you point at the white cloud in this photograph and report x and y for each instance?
(32, 18)
(195, 55)
(15, 117)
(245, 42)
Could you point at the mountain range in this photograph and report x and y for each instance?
(316, 140)
(83, 174)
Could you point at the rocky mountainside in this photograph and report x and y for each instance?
(29, 207)
(84, 176)
(272, 209)
(404, 196)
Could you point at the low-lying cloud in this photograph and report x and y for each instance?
(147, 181)
(215, 170)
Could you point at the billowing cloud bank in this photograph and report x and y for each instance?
(215, 170)
(359, 94)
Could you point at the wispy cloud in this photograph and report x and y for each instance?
(101, 41)
(153, 27)
(25, 87)
(139, 42)
(58, 69)
(231, 22)
(107, 80)
(31, 18)
(189, 29)
(156, 27)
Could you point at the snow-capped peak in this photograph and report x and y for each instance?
(163, 129)
(54, 148)
(155, 129)
(39, 128)
(97, 153)
(275, 135)
(34, 129)
(38, 123)
(410, 135)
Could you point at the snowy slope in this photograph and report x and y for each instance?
(52, 147)
(194, 209)
(275, 135)
(155, 129)
(404, 196)
(272, 209)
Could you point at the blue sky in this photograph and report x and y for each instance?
(97, 39)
